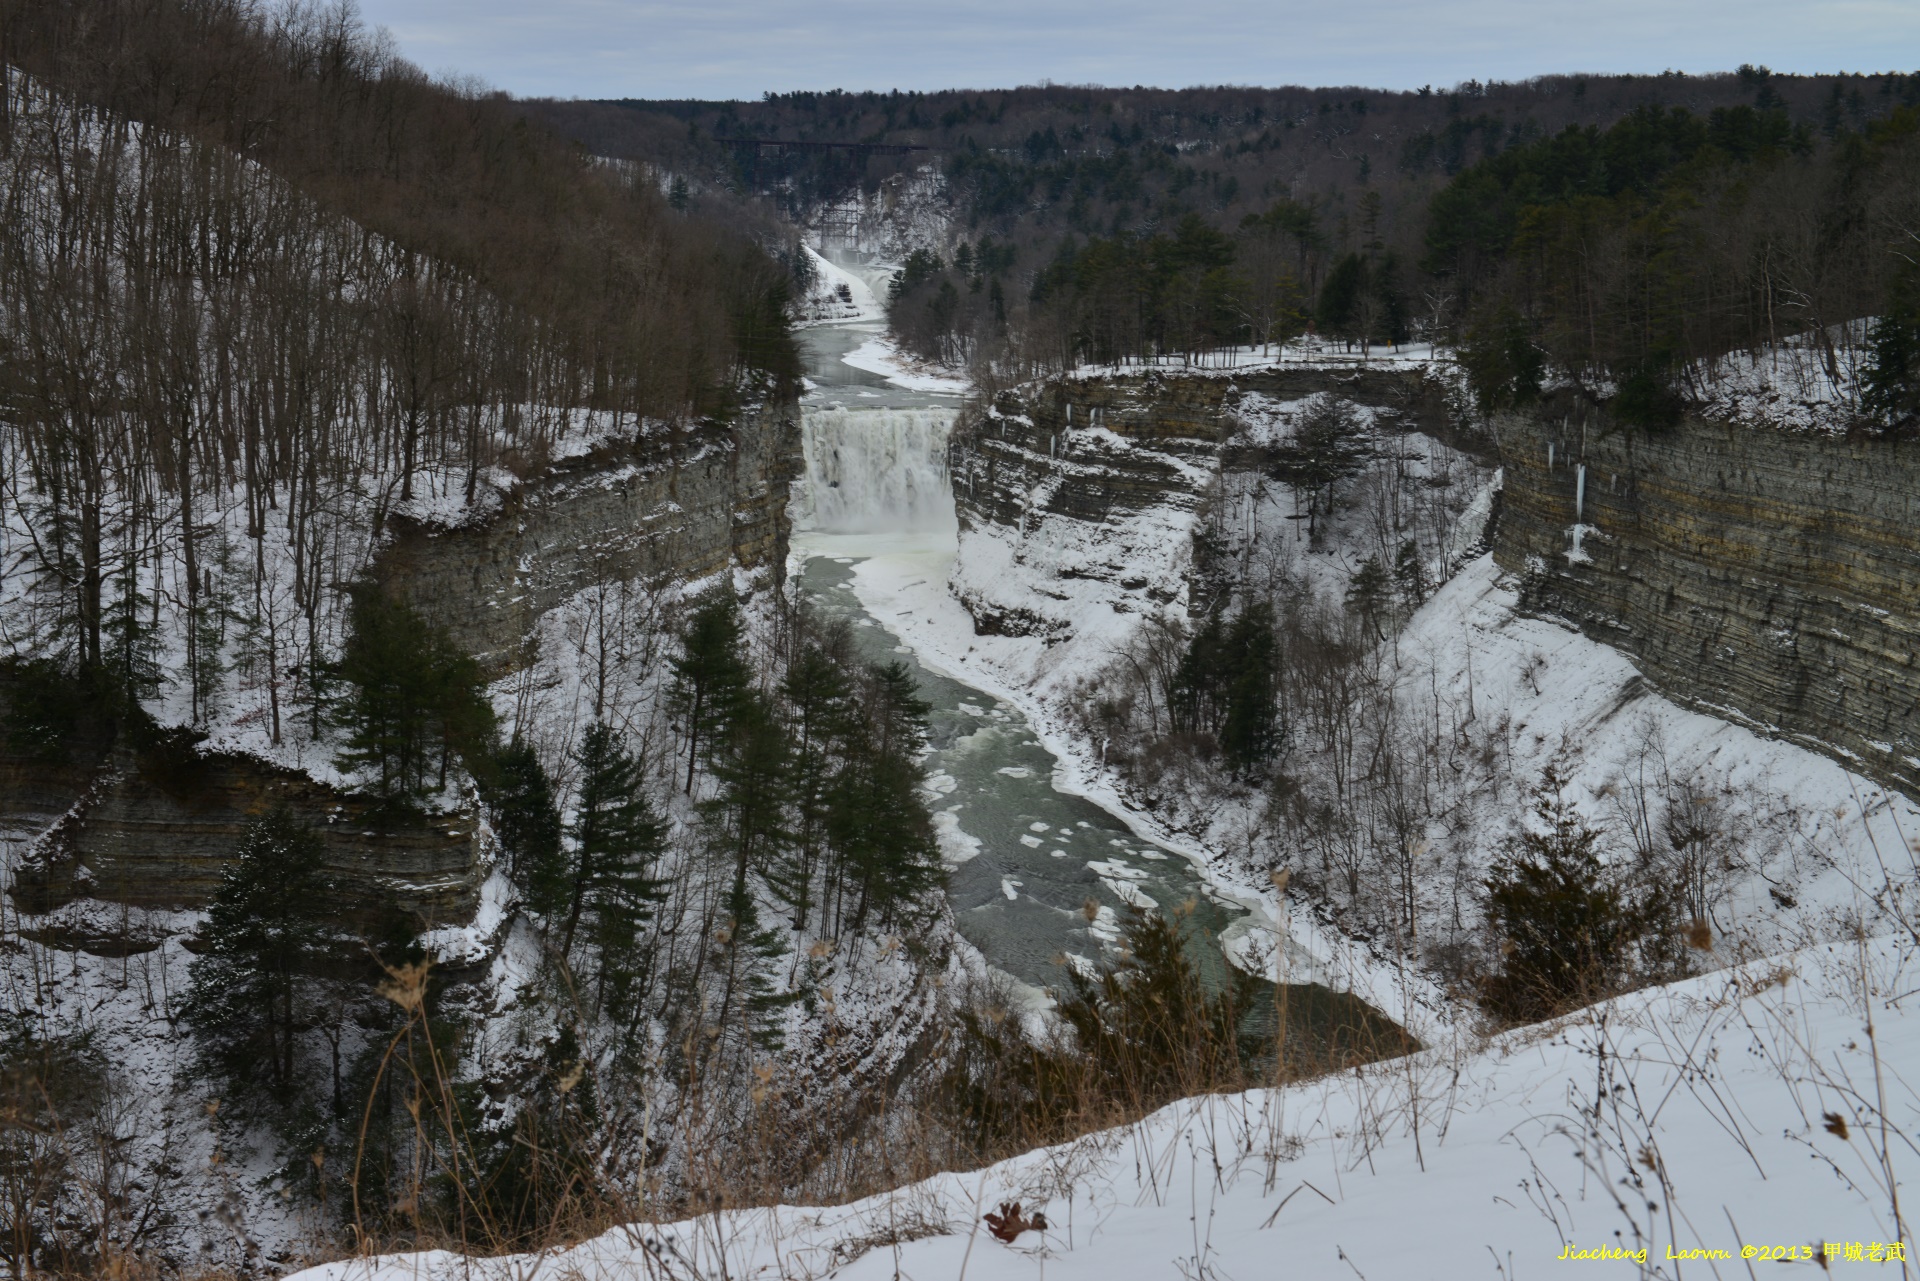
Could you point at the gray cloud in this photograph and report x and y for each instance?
(741, 48)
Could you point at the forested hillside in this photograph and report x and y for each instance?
(257, 260)
(1611, 227)
(270, 298)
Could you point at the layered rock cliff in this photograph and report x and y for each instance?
(1768, 576)
(153, 824)
(669, 504)
(156, 834)
(1083, 496)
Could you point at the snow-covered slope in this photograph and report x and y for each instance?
(1763, 1110)
(1816, 846)
(838, 296)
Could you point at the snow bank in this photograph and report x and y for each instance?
(1305, 351)
(839, 296)
(1755, 1109)
(881, 356)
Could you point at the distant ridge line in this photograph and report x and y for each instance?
(870, 148)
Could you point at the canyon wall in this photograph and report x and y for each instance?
(668, 505)
(153, 825)
(1767, 576)
(158, 833)
(1095, 486)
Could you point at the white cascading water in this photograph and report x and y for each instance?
(876, 471)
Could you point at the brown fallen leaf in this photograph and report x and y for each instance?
(1010, 1223)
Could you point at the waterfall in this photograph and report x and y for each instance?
(1580, 494)
(873, 471)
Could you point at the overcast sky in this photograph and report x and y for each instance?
(742, 48)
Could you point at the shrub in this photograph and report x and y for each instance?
(1566, 927)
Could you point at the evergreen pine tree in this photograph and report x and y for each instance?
(1565, 926)
(750, 811)
(1225, 686)
(1391, 313)
(1190, 707)
(710, 676)
(747, 827)
(520, 799)
(880, 824)
(413, 700)
(386, 706)
(1150, 1029)
(132, 651)
(1341, 299)
(1367, 595)
(1250, 698)
(1890, 384)
(208, 622)
(1410, 576)
(817, 692)
(749, 951)
(1329, 446)
(617, 842)
(251, 996)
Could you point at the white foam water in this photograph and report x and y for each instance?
(872, 471)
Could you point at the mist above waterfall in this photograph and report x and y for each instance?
(875, 471)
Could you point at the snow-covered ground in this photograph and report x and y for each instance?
(1693, 1130)
(1810, 382)
(880, 356)
(839, 296)
(1820, 843)
(1307, 349)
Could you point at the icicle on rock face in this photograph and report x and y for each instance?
(876, 470)
(1580, 495)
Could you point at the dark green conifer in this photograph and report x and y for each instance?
(412, 702)
(1410, 576)
(817, 692)
(1368, 592)
(617, 842)
(710, 676)
(1249, 694)
(1565, 926)
(519, 797)
(1890, 384)
(881, 828)
(252, 996)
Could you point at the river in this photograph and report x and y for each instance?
(1040, 878)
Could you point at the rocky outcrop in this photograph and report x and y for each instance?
(1103, 479)
(1764, 575)
(159, 834)
(679, 504)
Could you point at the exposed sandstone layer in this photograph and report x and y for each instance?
(162, 839)
(1768, 576)
(682, 505)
